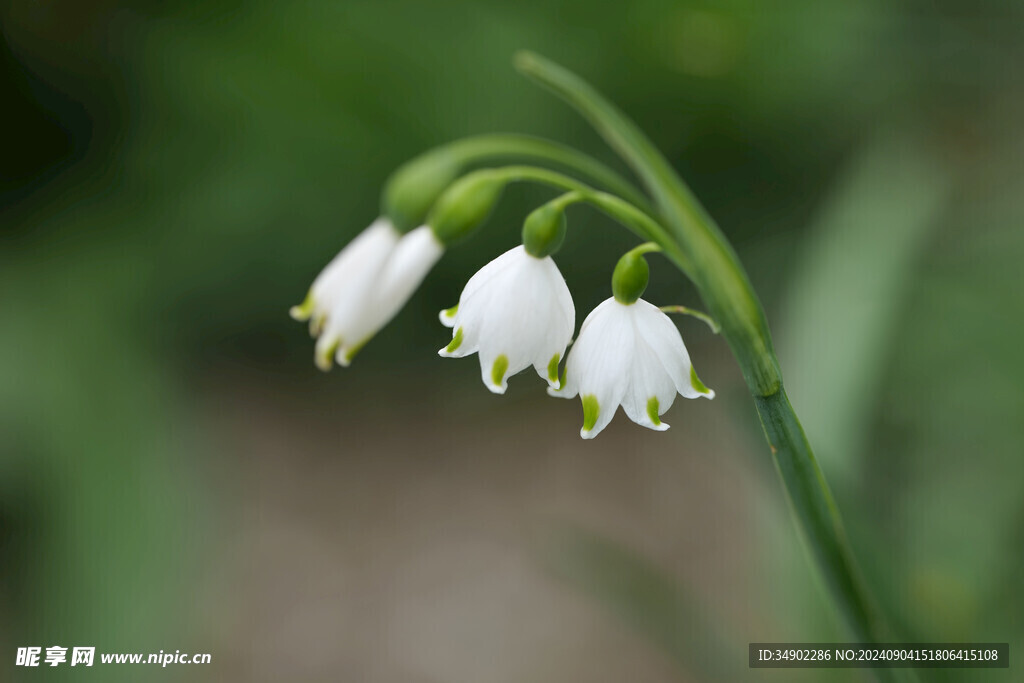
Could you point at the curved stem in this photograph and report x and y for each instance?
(726, 290)
(411, 191)
(494, 147)
(645, 248)
(631, 217)
(563, 201)
(693, 313)
(717, 273)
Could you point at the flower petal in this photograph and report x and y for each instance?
(356, 263)
(447, 316)
(559, 328)
(495, 268)
(598, 366)
(457, 347)
(651, 390)
(570, 388)
(494, 372)
(343, 291)
(515, 312)
(662, 336)
(409, 262)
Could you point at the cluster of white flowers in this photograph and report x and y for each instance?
(514, 313)
(517, 311)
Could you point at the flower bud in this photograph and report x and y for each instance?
(544, 230)
(630, 277)
(414, 187)
(464, 206)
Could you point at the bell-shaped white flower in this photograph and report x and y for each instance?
(410, 261)
(364, 286)
(630, 355)
(514, 312)
(351, 271)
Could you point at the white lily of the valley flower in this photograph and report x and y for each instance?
(514, 312)
(410, 261)
(351, 272)
(630, 355)
(364, 286)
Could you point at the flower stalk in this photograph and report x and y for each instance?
(624, 212)
(628, 353)
(699, 315)
(413, 188)
(723, 285)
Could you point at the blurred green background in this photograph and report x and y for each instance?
(175, 474)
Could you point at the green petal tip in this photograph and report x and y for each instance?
(325, 359)
(553, 370)
(652, 411)
(498, 369)
(456, 342)
(697, 384)
(591, 409)
(303, 311)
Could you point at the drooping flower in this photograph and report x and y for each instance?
(352, 270)
(363, 287)
(514, 312)
(410, 261)
(628, 354)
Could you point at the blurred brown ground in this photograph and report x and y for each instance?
(384, 544)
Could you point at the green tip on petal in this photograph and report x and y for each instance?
(316, 325)
(697, 384)
(345, 359)
(590, 412)
(456, 342)
(652, 411)
(325, 359)
(498, 369)
(303, 311)
(553, 369)
(450, 312)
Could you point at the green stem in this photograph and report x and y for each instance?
(693, 313)
(631, 217)
(717, 273)
(645, 248)
(727, 292)
(414, 187)
(494, 147)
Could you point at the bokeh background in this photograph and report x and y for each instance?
(175, 474)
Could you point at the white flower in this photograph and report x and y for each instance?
(515, 312)
(364, 286)
(630, 355)
(352, 271)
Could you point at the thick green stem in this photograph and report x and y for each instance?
(727, 292)
(637, 221)
(414, 187)
(494, 147)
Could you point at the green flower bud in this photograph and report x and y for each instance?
(464, 206)
(544, 230)
(630, 277)
(414, 187)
